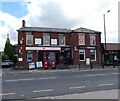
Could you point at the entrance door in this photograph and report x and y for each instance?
(49, 56)
(40, 56)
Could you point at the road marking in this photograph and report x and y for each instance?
(115, 73)
(30, 79)
(47, 90)
(110, 84)
(3, 94)
(77, 87)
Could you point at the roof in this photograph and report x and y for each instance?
(85, 30)
(112, 46)
(45, 29)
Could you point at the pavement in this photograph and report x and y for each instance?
(9, 71)
(107, 94)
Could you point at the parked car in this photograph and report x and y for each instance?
(7, 63)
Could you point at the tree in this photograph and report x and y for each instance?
(8, 50)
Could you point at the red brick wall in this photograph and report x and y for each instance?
(74, 42)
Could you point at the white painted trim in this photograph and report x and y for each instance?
(95, 56)
(43, 48)
(84, 55)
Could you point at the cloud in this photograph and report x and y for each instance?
(9, 25)
(62, 13)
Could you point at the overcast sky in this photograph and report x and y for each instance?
(58, 13)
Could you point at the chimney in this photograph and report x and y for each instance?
(23, 23)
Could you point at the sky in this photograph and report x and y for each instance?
(58, 13)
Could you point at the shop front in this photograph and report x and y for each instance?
(51, 57)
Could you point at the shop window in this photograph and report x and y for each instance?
(81, 39)
(30, 56)
(29, 39)
(61, 40)
(82, 55)
(46, 39)
(92, 39)
(93, 55)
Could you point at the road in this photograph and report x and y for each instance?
(42, 84)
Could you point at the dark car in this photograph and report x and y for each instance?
(7, 63)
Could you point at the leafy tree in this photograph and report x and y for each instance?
(8, 50)
(5, 57)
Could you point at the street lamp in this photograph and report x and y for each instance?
(105, 27)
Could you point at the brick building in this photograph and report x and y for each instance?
(61, 45)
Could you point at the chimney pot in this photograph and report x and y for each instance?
(23, 23)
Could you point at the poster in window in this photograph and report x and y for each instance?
(81, 39)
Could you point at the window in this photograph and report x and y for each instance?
(53, 41)
(92, 39)
(38, 41)
(82, 54)
(30, 56)
(61, 40)
(29, 39)
(81, 39)
(46, 39)
(93, 55)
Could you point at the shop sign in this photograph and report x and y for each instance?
(85, 47)
(39, 64)
(43, 48)
(65, 48)
(32, 65)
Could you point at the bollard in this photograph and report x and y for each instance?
(91, 65)
(79, 66)
(103, 66)
(113, 65)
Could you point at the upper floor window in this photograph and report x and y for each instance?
(81, 39)
(61, 39)
(92, 39)
(29, 39)
(46, 39)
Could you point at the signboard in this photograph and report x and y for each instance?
(53, 41)
(87, 61)
(43, 48)
(38, 41)
(32, 65)
(39, 64)
(20, 59)
(86, 47)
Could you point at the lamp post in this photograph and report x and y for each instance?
(105, 61)
(105, 27)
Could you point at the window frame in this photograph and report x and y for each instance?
(94, 54)
(83, 39)
(44, 39)
(82, 54)
(64, 40)
(28, 37)
(92, 38)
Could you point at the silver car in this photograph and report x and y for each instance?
(7, 63)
